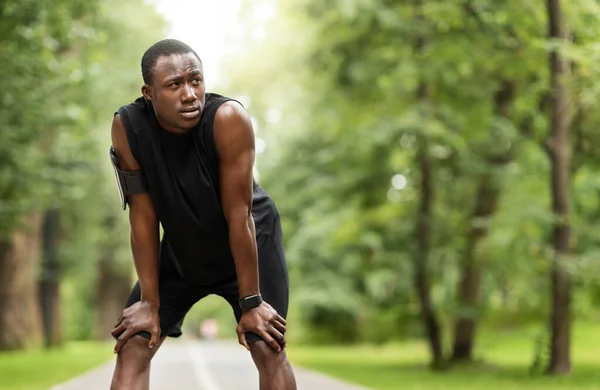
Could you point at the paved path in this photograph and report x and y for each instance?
(200, 365)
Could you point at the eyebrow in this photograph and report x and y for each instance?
(194, 72)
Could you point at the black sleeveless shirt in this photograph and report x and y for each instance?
(182, 172)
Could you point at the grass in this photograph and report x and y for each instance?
(39, 369)
(503, 363)
(504, 359)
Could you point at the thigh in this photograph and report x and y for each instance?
(273, 276)
(273, 271)
(176, 295)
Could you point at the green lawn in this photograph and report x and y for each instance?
(39, 370)
(505, 359)
(504, 364)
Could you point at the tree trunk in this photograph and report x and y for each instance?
(112, 289)
(423, 230)
(423, 233)
(559, 155)
(464, 332)
(50, 281)
(20, 319)
(488, 193)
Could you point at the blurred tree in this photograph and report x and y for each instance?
(423, 231)
(20, 317)
(370, 134)
(34, 37)
(49, 285)
(559, 152)
(56, 154)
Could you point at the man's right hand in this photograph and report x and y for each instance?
(141, 316)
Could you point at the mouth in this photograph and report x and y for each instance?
(190, 113)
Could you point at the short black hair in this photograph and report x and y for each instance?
(166, 47)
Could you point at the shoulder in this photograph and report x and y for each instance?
(233, 131)
(127, 124)
(139, 107)
(231, 113)
(121, 145)
(117, 123)
(139, 104)
(134, 115)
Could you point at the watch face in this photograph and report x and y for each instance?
(250, 302)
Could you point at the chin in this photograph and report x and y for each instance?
(189, 123)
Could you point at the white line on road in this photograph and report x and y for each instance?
(205, 379)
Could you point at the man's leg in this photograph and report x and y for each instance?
(132, 371)
(274, 369)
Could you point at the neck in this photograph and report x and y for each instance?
(166, 127)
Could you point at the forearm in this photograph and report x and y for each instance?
(242, 238)
(144, 245)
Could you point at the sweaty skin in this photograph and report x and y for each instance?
(177, 93)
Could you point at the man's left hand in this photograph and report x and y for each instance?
(265, 322)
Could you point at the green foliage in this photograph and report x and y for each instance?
(35, 55)
(334, 91)
(337, 106)
(61, 85)
(51, 366)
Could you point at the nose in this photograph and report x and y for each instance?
(188, 93)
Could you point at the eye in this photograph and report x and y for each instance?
(197, 80)
(174, 84)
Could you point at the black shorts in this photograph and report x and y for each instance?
(177, 296)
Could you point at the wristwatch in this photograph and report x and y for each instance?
(250, 302)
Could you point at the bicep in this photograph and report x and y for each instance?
(121, 146)
(234, 140)
(140, 205)
(236, 179)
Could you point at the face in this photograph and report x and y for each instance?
(177, 91)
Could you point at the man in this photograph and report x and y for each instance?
(184, 158)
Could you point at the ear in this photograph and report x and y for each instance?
(147, 92)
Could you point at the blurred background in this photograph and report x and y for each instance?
(432, 161)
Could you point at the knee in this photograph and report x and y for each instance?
(266, 359)
(135, 356)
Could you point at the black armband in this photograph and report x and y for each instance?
(128, 182)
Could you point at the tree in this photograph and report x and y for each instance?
(558, 149)
(49, 283)
(455, 122)
(20, 317)
(33, 35)
(423, 231)
(59, 66)
(486, 204)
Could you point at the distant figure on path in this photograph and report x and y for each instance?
(184, 158)
(209, 329)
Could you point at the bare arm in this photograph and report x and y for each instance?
(234, 139)
(142, 219)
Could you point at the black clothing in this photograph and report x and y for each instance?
(182, 173)
(177, 295)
